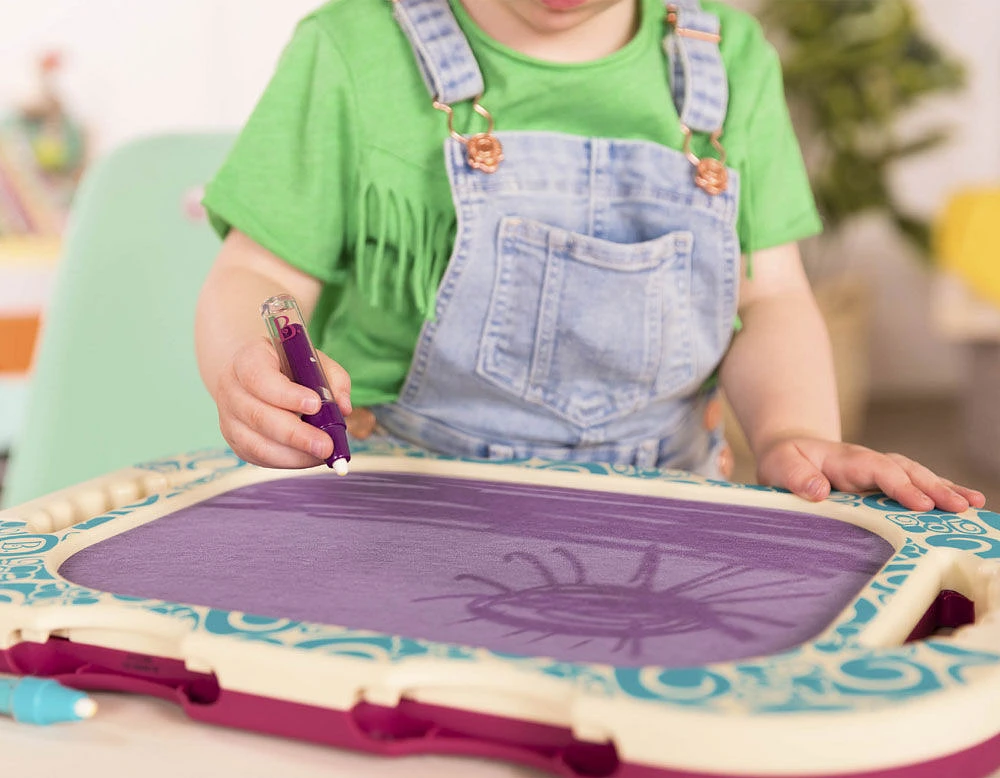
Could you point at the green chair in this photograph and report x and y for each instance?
(115, 380)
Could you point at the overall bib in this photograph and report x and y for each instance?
(592, 288)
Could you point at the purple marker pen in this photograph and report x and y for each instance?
(300, 363)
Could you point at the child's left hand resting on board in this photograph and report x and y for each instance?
(778, 377)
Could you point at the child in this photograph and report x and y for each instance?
(573, 284)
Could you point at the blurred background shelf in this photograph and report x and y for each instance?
(27, 272)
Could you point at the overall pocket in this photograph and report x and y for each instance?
(590, 329)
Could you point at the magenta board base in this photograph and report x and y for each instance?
(409, 729)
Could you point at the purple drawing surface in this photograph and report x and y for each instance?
(576, 575)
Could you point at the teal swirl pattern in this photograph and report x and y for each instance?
(833, 673)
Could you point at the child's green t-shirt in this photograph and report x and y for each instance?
(340, 169)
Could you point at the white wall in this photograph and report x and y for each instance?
(908, 355)
(139, 66)
(972, 34)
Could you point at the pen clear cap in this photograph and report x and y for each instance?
(280, 313)
(287, 329)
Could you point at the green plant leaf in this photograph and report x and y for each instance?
(853, 68)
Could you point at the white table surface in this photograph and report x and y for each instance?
(142, 737)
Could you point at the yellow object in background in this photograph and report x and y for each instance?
(967, 240)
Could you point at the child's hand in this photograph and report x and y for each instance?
(810, 467)
(259, 409)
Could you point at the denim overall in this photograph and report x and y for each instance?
(592, 288)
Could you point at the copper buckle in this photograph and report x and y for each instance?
(686, 32)
(710, 174)
(484, 150)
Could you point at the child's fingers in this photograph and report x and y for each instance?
(257, 449)
(277, 425)
(905, 493)
(257, 370)
(856, 468)
(945, 494)
(976, 498)
(340, 382)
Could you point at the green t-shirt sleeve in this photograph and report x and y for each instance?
(287, 180)
(776, 201)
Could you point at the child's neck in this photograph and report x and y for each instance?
(583, 34)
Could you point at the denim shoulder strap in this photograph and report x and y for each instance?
(698, 77)
(446, 61)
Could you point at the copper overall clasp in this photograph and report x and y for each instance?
(484, 149)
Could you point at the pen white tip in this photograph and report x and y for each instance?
(340, 466)
(85, 708)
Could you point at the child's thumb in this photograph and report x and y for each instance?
(787, 467)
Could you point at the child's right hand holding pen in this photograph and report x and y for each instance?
(259, 406)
